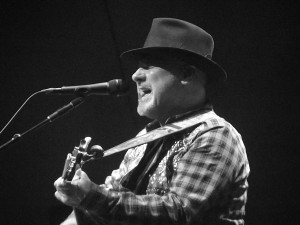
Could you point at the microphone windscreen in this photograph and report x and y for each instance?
(118, 87)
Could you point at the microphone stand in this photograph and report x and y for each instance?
(58, 113)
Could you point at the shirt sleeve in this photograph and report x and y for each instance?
(202, 173)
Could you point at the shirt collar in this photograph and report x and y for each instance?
(155, 124)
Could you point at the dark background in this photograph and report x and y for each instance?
(54, 43)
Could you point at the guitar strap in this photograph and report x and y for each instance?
(161, 132)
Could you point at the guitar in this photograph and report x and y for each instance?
(75, 160)
(79, 156)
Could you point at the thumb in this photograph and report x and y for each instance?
(77, 174)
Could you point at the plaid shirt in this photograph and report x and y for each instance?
(202, 179)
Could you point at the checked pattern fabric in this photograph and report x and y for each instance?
(202, 179)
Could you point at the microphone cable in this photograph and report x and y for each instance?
(20, 109)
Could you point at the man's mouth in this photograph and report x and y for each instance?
(144, 92)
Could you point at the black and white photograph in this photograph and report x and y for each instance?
(149, 112)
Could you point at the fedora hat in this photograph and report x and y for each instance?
(183, 40)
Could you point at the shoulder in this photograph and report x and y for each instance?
(211, 122)
(216, 132)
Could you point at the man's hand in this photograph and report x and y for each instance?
(71, 193)
(113, 182)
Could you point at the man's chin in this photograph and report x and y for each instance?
(144, 111)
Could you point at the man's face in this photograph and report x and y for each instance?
(159, 90)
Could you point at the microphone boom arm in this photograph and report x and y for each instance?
(58, 113)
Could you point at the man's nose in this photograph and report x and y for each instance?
(139, 75)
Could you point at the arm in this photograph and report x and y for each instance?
(112, 182)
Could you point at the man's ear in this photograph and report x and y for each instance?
(189, 74)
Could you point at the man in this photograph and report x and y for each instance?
(197, 175)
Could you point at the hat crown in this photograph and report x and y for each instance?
(177, 38)
(174, 33)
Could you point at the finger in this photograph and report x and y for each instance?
(108, 182)
(115, 174)
(64, 198)
(80, 177)
(67, 191)
(60, 196)
(63, 186)
(59, 183)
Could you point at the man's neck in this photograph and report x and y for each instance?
(207, 106)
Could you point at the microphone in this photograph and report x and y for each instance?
(114, 87)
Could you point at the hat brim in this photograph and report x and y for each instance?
(215, 73)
